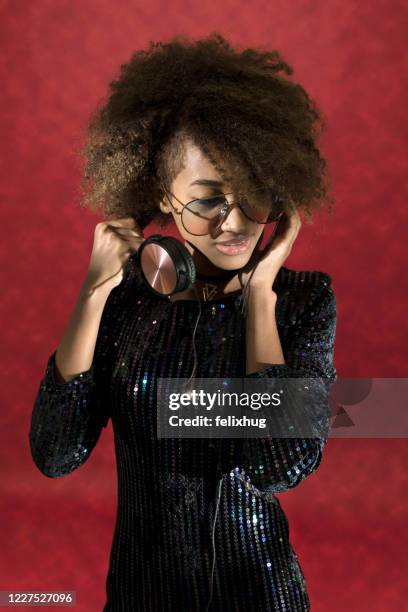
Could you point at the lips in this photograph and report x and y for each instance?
(235, 241)
(233, 249)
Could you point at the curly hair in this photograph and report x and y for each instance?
(256, 126)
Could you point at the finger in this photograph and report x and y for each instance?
(125, 222)
(297, 221)
(295, 218)
(285, 232)
(133, 243)
(296, 225)
(124, 231)
(127, 235)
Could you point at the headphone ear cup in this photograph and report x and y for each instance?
(188, 270)
(167, 266)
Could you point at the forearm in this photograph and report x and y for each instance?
(76, 350)
(263, 346)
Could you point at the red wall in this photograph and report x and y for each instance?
(347, 520)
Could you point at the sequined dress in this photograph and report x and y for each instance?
(161, 554)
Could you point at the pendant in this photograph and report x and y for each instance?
(209, 291)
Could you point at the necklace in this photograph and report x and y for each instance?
(210, 289)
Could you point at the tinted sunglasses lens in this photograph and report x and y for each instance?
(262, 205)
(199, 216)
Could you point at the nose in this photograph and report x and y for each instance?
(234, 221)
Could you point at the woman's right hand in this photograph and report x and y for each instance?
(114, 242)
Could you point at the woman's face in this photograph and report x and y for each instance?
(236, 226)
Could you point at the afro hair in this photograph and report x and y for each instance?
(257, 127)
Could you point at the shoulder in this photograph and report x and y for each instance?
(120, 300)
(301, 291)
(132, 282)
(133, 286)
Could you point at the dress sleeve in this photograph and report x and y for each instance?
(67, 418)
(273, 465)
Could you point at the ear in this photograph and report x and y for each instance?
(165, 206)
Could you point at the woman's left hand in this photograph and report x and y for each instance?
(271, 259)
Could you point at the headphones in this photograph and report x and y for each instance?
(166, 265)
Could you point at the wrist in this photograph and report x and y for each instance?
(263, 292)
(94, 294)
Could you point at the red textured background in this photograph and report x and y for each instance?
(347, 520)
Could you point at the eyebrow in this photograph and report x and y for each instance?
(207, 183)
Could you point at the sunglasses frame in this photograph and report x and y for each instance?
(223, 215)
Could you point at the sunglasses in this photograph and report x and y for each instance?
(204, 215)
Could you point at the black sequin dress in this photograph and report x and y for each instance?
(161, 556)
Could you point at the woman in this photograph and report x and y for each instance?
(188, 125)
